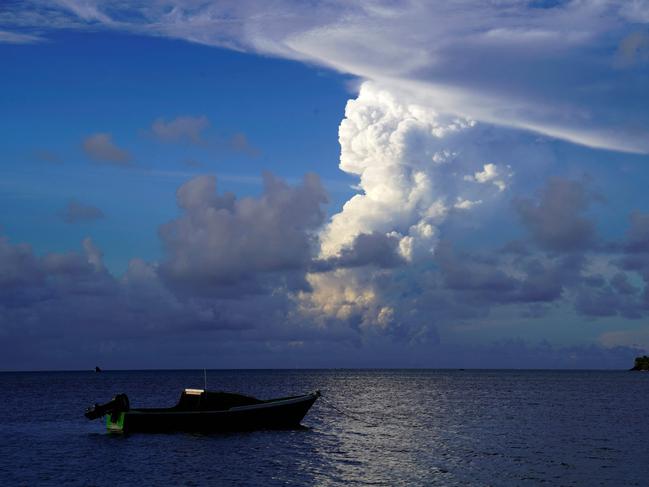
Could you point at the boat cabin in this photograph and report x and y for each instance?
(202, 400)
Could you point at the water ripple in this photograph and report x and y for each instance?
(428, 428)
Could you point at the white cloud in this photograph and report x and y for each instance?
(93, 254)
(410, 161)
(466, 204)
(7, 37)
(493, 174)
(396, 148)
(636, 11)
(434, 75)
(455, 58)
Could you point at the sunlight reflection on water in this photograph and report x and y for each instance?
(396, 428)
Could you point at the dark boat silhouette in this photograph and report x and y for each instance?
(204, 411)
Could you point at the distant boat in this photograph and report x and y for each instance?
(97, 369)
(204, 411)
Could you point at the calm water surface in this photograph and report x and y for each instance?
(408, 427)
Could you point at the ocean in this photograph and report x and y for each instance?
(371, 427)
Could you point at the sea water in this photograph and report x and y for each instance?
(371, 427)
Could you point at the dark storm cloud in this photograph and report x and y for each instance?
(220, 240)
(637, 237)
(372, 249)
(561, 270)
(259, 248)
(78, 212)
(556, 220)
(546, 279)
(464, 272)
(606, 301)
(556, 268)
(234, 267)
(634, 260)
(504, 278)
(626, 292)
(367, 249)
(621, 284)
(36, 289)
(69, 304)
(18, 265)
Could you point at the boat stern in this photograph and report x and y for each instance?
(115, 422)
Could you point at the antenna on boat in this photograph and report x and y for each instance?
(205, 379)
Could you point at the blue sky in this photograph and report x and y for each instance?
(59, 92)
(339, 184)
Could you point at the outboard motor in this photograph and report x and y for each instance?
(119, 404)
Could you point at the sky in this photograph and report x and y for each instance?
(332, 184)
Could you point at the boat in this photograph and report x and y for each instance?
(199, 410)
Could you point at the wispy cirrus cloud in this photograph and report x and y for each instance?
(8, 37)
(456, 59)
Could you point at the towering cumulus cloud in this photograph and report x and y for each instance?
(411, 162)
(463, 111)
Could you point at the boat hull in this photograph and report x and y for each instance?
(282, 414)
